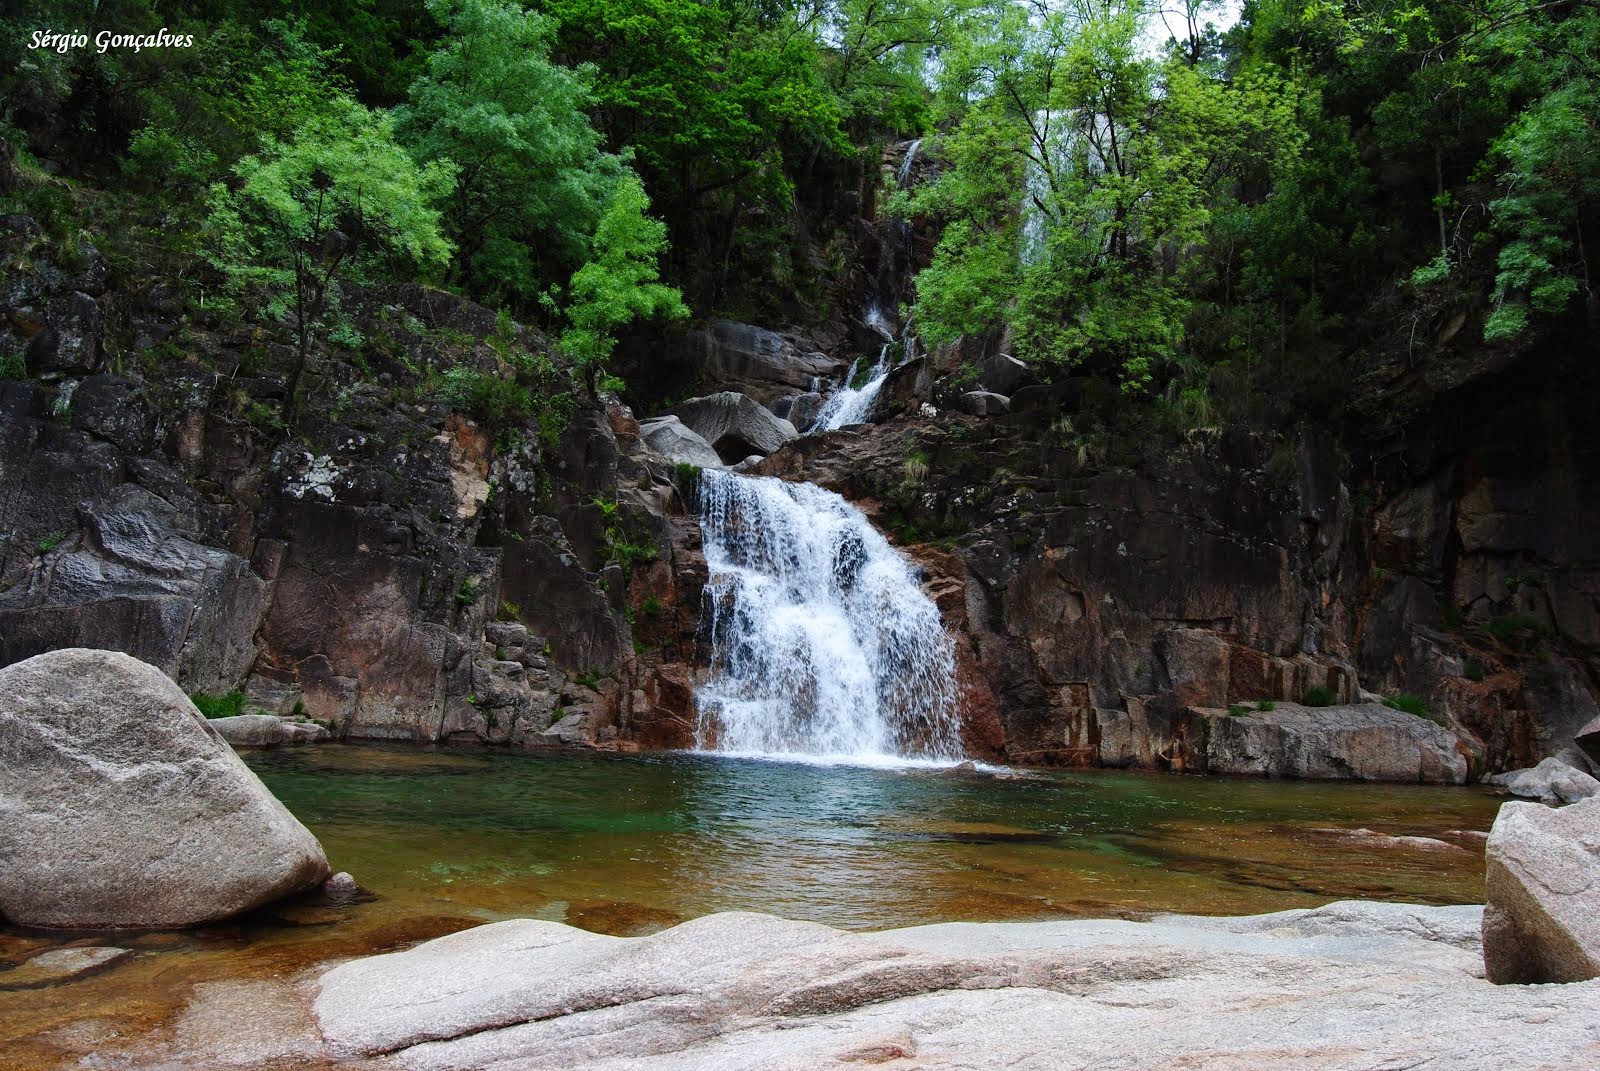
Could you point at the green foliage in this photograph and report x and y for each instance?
(490, 398)
(531, 180)
(1319, 696)
(651, 606)
(619, 284)
(1266, 706)
(509, 611)
(12, 366)
(1412, 704)
(1472, 669)
(1080, 181)
(51, 542)
(467, 593)
(219, 706)
(1235, 710)
(339, 198)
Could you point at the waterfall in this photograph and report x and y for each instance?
(904, 174)
(823, 643)
(848, 405)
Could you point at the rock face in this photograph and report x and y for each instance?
(121, 808)
(1365, 742)
(984, 403)
(1541, 922)
(1369, 985)
(131, 580)
(1552, 781)
(348, 567)
(735, 425)
(755, 361)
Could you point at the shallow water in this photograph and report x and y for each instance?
(628, 845)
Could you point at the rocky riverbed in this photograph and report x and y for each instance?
(1353, 985)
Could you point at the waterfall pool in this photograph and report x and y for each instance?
(448, 839)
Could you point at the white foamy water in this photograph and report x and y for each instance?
(847, 405)
(824, 646)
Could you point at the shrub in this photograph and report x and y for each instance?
(1411, 704)
(1235, 710)
(1266, 705)
(219, 706)
(12, 366)
(652, 606)
(487, 396)
(467, 593)
(1319, 696)
(1473, 670)
(51, 542)
(509, 611)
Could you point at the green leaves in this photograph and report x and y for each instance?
(531, 180)
(620, 283)
(1081, 183)
(343, 173)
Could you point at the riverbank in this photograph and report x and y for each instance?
(1350, 985)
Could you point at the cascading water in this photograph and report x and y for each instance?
(823, 643)
(851, 405)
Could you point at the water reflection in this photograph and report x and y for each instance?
(687, 834)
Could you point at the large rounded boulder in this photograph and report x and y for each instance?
(120, 807)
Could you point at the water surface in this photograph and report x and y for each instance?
(629, 845)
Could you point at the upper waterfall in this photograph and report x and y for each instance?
(823, 643)
(851, 405)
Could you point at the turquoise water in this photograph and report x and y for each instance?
(447, 840)
(678, 835)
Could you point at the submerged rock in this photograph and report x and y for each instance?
(1552, 781)
(59, 965)
(1369, 984)
(1542, 918)
(122, 808)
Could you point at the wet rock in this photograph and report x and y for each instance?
(70, 340)
(1377, 985)
(1552, 781)
(60, 965)
(1372, 839)
(136, 583)
(1362, 742)
(1541, 919)
(267, 730)
(983, 403)
(756, 361)
(1003, 374)
(735, 425)
(341, 888)
(124, 810)
(801, 410)
(574, 730)
(672, 439)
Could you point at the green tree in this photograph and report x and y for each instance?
(620, 283)
(532, 179)
(723, 103)
(1086, 176)
(339, 197)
